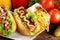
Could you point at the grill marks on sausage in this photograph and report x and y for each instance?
(3, 19)
(29, 22)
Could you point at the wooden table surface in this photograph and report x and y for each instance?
(46, 36)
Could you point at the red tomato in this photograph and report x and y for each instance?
(54, 16)
(47, 4)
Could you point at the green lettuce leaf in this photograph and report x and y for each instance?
(1, 27)
(31, 15)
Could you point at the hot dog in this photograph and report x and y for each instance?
(7, 22)
(30, 23)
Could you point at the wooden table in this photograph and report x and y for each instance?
(46, 36)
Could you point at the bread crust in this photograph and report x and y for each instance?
(13, 23)
(21, 27)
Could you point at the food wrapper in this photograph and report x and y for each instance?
(18, 36)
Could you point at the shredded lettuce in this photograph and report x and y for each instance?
(8, 18)
(15, 14)
(7, 33)
(31, 15)
(1, 27)
(7, 8)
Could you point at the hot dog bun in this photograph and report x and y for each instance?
(7, 19)
(41, 23)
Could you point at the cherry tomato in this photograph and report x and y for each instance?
(54, 16)
(47, 4)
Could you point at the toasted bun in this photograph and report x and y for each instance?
(13, 23)
(20, 27)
